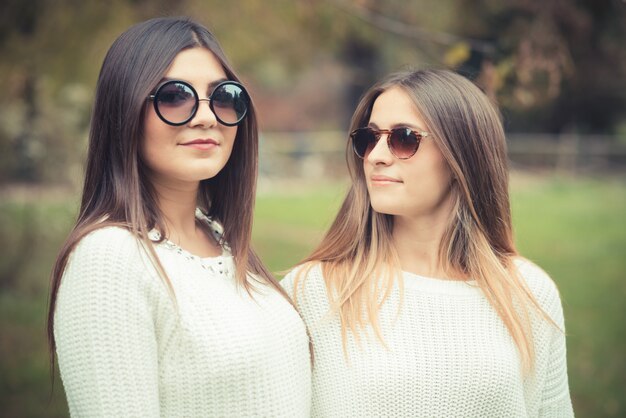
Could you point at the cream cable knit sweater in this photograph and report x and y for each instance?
(125, 348)
(449, 355)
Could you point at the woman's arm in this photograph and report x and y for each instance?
(555, 399)
(104, 329)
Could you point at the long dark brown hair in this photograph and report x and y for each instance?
(117, 190)
(358, 258)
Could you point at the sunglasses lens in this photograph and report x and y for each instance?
(229, 102)
(363, 141)
(176, 102)
(404, 143)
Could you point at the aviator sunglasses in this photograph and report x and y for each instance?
(402, 142)
(176, 102)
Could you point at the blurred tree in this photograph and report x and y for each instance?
(52, 50)
(560, 65)
(554, 66)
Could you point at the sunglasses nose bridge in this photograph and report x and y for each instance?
(196, 111)
(208, 102)
(378, 135)
(388, 133)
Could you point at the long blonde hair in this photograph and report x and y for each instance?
(358, 259)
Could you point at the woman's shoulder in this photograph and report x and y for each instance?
(306, 286)
(540, 284)
(108, 245)
(535, 276)
(111, 238)
(304, 278)
(105, 265)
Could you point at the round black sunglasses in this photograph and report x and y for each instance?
(176, 102)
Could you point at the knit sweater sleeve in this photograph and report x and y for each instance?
(556, 401)
(105, 334)
(555, 397)
(287, 283)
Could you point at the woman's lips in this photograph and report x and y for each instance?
(201, 144)
(379, 180)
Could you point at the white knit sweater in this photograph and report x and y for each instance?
(126, 349)
(448, 354)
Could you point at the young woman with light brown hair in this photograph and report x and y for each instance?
(417, 301)
(159, 306)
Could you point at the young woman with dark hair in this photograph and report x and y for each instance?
(158, 306)
(417, 302)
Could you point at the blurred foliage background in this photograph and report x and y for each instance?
(557, 68)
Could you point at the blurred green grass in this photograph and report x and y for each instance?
(573, 227)
(576, 230)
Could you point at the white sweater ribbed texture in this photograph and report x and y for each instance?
(127, 349)
(447, 354)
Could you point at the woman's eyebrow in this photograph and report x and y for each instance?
(211, 85)
(399, 125)
(407, 125)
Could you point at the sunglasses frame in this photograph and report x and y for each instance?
(378, 133)
(153, 98)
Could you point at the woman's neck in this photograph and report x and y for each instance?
(178, 205)
(418, 241)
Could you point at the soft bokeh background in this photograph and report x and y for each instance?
(557, 68)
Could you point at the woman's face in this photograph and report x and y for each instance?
(181, 156)
(418, 187)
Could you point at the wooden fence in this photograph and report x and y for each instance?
(322, 154)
